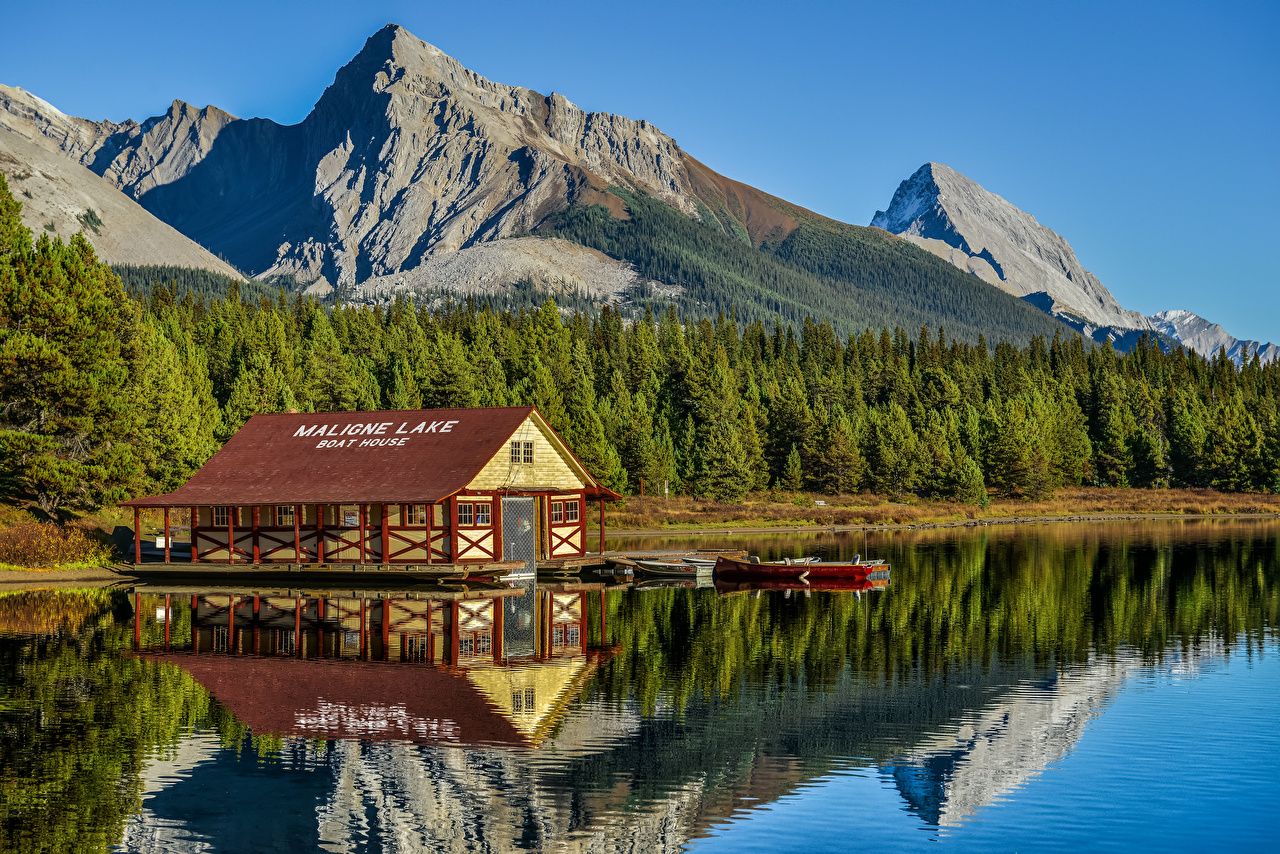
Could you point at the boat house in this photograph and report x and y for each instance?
(446, 488)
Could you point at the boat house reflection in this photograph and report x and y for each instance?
(444, 666)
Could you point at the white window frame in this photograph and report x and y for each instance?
(225, 512)
(466, 515)
(284, 515)
(482, 513)
(572, 510)
(557, 512)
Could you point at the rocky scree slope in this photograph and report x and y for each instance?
(61, 197)
(409, 156)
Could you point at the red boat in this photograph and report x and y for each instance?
(821, 585)
(733, 569)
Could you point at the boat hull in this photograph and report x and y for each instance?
(741, 570)
(824, 585)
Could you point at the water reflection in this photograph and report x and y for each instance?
(466, 666)
(607, 717)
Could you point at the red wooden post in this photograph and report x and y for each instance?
(166, 535)
(455, 639)
(320, 510)
(297, 626)
(431, 634)
(320, 627)
(386, 628)
(496, 518)
(257, 522)
(297, 533)
(137, 535)
(601, 526)
(195, 522)
(364, 508)
(453, 529)
(137, 621)
(364, 632)
(231, 533)
(386, 535)
(497, 627)
(231, 625)
(431, 513)
(168, 618)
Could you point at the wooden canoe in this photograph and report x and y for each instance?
(731, 569)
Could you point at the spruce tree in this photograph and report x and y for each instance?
(70, 352)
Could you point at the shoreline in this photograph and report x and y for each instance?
(94, 576)
(711, 530)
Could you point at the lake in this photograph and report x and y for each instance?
(1054, 687)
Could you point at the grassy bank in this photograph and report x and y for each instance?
(802, 510)
(28, 545)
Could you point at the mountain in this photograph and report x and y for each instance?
(967, 225)
(409, 157)
(62, 197)
(1208, 338)
(960, 221)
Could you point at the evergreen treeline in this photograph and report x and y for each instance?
(140, 279)
(859, 278)
(101, 396)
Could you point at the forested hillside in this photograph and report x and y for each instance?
(857, 278)
(102, 396)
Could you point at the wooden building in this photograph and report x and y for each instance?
(433, 487)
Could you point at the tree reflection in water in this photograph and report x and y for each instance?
(566, 716)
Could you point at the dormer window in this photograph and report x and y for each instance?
(522, 452)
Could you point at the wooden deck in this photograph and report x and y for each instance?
(336, 573)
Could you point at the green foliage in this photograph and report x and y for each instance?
(109, 398)
(70, 349)
(142, 280)
(861, 278)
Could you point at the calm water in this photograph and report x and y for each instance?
(1057, 687)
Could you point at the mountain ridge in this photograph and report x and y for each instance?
(408, 156)
(957, 219)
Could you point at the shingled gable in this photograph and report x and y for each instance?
(412, 455)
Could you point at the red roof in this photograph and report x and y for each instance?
(349, 699)
(393, 456)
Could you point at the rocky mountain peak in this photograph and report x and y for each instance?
(961, 221)
(1208, 338)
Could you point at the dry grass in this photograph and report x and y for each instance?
(31, 544)
(797, 510)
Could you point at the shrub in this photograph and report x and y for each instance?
(39, 544)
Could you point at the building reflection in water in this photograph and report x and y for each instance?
(488, 665)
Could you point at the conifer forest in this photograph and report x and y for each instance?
(106, 393)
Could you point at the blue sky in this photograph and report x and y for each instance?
(1145, 133)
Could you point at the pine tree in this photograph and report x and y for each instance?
(69, 355)
(892, 462)
(260, 387)
(843, 466)
(792, 477)
(179, 417)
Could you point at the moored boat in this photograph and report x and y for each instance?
(872, 582)
(752, 569)
(669, 569)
